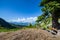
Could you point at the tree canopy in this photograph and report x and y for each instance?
(49, 7)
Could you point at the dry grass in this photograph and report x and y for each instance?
(27, 34)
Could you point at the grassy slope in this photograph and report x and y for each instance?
(7, 30)
(2, 29)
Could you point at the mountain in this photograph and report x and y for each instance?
(5, 24)
(18, 25)
(22, 23)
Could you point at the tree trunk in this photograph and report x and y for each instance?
(54, 20)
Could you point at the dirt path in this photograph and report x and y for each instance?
(29, 34)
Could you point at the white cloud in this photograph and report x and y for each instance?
(30, 19)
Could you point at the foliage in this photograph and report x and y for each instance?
(43, 17)
(50, 5)
(44, 23)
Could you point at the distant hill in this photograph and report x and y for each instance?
(5, 24)
(18, 25)
(22, 23)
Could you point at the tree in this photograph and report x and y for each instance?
(44, 21)
(30, 25)
(51, 7)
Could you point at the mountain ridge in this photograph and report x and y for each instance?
(5, 24)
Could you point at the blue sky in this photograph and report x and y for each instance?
(15, 9)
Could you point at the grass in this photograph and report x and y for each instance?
(2, 29)
(7, 30)
(15, 29)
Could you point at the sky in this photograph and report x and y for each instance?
(20, 10)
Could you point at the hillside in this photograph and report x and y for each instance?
(28, 34)
(5, 24)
